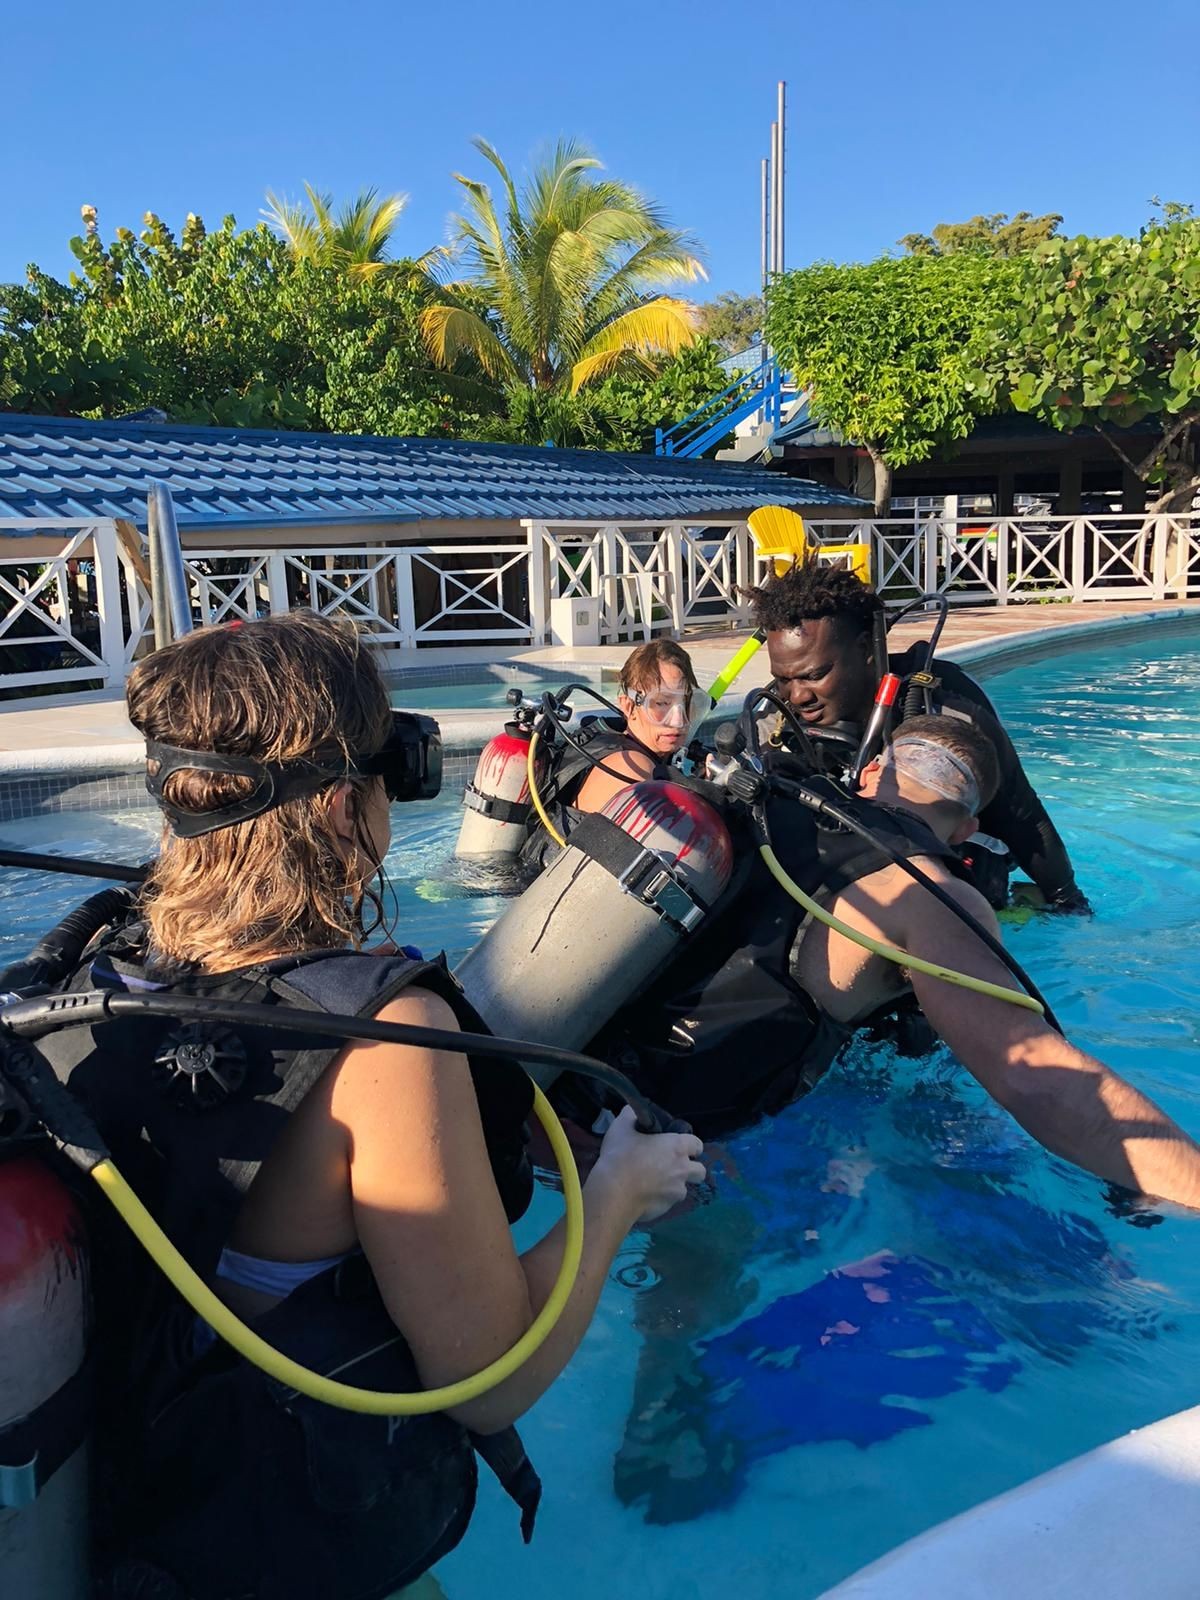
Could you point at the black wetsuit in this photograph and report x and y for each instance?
(569, 771)
(209, 1473)
(725, 1034)
(1015, 815)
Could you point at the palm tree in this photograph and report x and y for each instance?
(356, 237)
(563, 288)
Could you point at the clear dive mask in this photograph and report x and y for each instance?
(669, 708)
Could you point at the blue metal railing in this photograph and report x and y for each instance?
(758, 390)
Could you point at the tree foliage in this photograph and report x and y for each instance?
(734, 321)
(227, 328)
(1104, 331)
(883, 348)
(562, 280)
(996, 234)
(357, 238)
(233, 328)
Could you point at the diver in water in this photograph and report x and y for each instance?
(820, 624)
(758, 1004)
(352, 1203)
(658, 687)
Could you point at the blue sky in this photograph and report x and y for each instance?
(902, 113)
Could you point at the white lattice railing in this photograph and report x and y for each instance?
(79, 616)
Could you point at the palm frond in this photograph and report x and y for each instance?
(660, 327)
(452, 332)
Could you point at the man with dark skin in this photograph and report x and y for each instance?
(820, 624)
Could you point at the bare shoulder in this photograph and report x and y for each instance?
(375, 1079)
(419, 1007)
(922, 910)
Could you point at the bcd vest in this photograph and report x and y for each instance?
(726, 1035)
(229, 1481)
(567, 774)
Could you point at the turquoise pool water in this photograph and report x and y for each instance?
(896, 1304)
(467, 696)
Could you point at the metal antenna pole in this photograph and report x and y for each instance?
(780, 174)
(766, 203)
(773, 255)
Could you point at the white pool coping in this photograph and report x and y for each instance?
(469, 729)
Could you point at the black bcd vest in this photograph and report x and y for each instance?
(208, 1470)
(725, 1034)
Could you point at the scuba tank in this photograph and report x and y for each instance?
(632, 881)
(44, 1410)
(44, 1320)
(496, 803)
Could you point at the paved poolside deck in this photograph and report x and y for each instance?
(85, 731)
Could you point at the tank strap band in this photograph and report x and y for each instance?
(34, 1447)
(495, 809)
(642, 873)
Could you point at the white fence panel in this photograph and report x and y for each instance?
(51, 628)
(80, 615)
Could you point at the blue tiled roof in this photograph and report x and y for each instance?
(244, 477)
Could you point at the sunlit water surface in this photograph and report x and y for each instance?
(896, 1304)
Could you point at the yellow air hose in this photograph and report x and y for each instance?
(531, 774)
(345, 1396)
(995, 991)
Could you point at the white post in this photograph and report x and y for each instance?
(932, 532)
(538, 580)
(406, 606)
(1004, 532)
(611, 578)
(1078, 571)
(277, 588)
(676, 568)
(108, 601)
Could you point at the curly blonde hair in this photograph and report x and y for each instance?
(273, 691)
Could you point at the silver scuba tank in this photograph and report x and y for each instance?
(496, 803)
(611, 909)
(43, 1385)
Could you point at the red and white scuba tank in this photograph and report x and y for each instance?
(496, 802)
(43, 1398)
(607, 913)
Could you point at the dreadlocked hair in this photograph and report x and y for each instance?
(274, 690)
(812, 589)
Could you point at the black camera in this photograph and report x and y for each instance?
(410, 763)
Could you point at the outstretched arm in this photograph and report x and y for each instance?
(1070, 1102)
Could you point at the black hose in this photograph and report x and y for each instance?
(57, 953)
(839, 815)
(917, 697)
(75, 865)
(33, 1018)
(810, 736)
(550, 709)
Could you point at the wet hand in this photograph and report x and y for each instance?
(654, 1170)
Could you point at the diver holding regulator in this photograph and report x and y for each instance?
(806, 888)
(310, 1317)
(826, 637)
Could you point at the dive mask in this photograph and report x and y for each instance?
(665, 706)
(410, 765)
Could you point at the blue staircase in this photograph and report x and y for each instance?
(758, 390)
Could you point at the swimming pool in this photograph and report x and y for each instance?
(745, 1411)
(484, 692)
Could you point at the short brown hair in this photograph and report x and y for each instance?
(644, 666)
(273, 691)
(964, 740)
